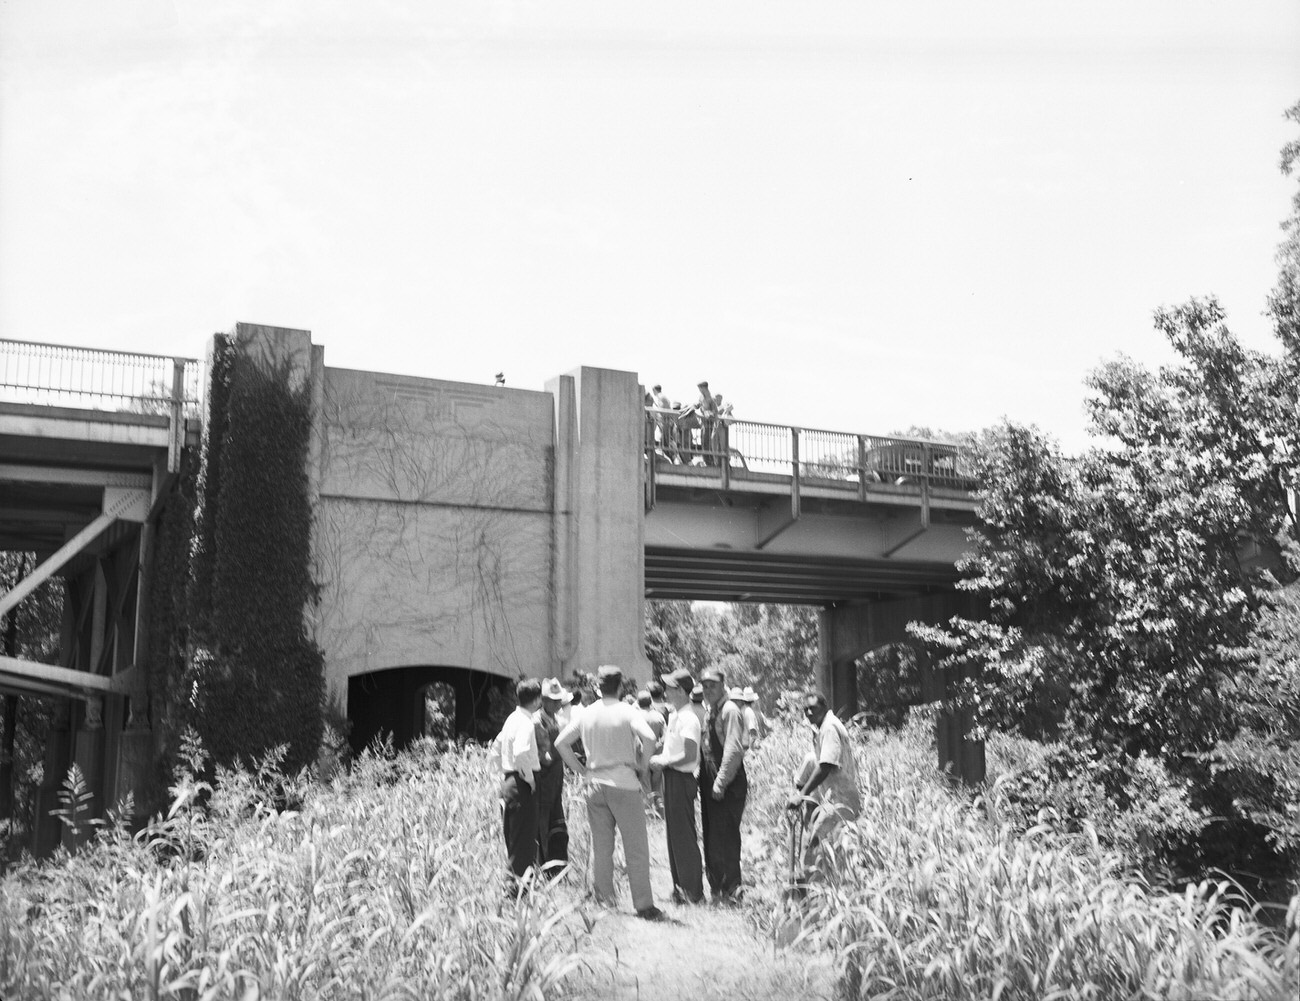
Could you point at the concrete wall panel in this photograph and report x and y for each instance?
(437, 442)
(410, 584)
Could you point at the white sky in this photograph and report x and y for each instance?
(856, 216)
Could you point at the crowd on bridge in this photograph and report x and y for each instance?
(688, 434)
(677, 743)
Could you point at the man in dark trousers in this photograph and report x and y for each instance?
(516, 751)
(679, 763)
(723, 787)
(552, 828)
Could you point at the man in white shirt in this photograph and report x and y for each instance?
(516, 749)
(829, 780)
(613, 735)
(679, 762)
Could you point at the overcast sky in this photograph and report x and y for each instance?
(856, 216)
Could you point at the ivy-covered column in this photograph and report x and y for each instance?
(255, 672)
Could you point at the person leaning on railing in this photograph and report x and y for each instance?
(708, 421)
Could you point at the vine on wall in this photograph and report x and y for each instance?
(255, 677)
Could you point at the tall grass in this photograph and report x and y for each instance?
(386, 884)
(930, 895)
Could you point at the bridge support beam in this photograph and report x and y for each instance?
(847, 631)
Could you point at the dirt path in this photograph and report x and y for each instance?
(696, 953)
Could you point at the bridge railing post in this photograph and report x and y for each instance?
(176, 415)
(724, 451)
(862, 468)
(927, 459)
(794, 473)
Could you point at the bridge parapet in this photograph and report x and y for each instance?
(92, 379)
(752, 455)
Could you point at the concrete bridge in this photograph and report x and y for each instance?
(464, 533)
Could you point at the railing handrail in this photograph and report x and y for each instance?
(901, 439)
(100, 351)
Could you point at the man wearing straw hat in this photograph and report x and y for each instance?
(745, 698)
(552, 829)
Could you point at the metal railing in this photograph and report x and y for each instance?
(807, 454)
(92, 379)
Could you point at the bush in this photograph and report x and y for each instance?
(1137, 807)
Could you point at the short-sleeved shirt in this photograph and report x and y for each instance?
(517, 746)
(683, 725)
(612, 734)
(655, 720)
(840, 788)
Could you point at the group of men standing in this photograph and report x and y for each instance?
(700, 755)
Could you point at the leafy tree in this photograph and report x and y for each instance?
(1258, 767)
(680, 634)
(1130, 587)
(32, 632)
(772, 647)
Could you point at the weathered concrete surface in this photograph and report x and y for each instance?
(433, 535)
(600, 580)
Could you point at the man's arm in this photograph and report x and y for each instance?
(689, 747)
(564, 746)
(646, 736)
(823, 772)
(527, 759)
(733, 748)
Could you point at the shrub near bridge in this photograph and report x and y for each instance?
(385, 885)
(935, 896)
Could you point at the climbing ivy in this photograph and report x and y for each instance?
(168, 598)
(256, 676)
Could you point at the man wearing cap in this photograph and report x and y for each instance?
(829, 780)
(679, 763)
(614, 735)
(552, 829)
(723, 787)
(516, 750)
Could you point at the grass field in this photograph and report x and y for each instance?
(387, 883)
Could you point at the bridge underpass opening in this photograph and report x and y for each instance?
(831, 591)
(862, 605)
(772, 647)
(406, 703)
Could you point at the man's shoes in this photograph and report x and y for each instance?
(650, 914)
